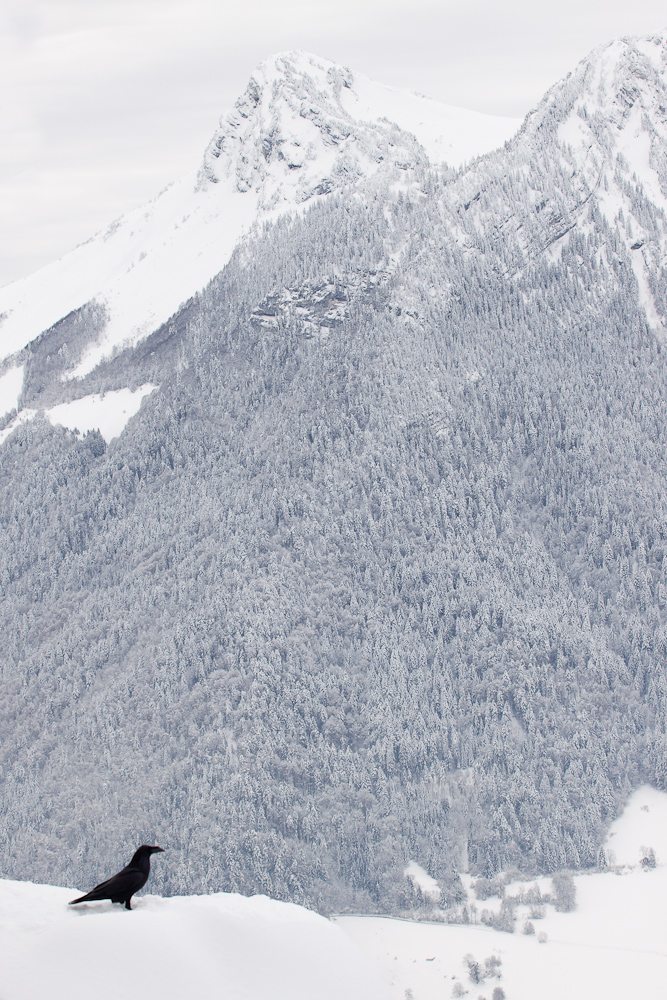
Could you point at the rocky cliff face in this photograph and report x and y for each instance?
(289, 136)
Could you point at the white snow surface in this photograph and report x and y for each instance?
(183, 948)
(421, 878)
(303, 127)
(21, 418)
(11, 384)
(642, 826)
(612, 945)
(449, 135)
(108, 413)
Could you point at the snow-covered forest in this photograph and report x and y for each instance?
(378, 572)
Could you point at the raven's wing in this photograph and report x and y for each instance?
(128, 881)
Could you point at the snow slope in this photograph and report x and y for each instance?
(303, 127)
(195, 947)
(10, 389)
(449, 135)
(615, 126)
(613, 945)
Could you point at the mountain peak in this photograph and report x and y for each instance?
(290, 136)
(302, 128)
(610, 81)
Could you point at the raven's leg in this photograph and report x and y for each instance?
(127, 903)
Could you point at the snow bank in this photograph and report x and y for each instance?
(183, 948)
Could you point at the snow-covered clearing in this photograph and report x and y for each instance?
(184, 948)
(21, 418)
(613, 945)
(428, 885)
(108, 413)
(642, 826)
(11, 384)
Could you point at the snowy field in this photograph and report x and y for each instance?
(614, 945)
(184, 948)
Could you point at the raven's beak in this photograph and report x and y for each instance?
(160, 849)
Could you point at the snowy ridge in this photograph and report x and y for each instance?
(303, 127)
(202, 947)
(615, 121)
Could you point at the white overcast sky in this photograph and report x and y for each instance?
(103, 102)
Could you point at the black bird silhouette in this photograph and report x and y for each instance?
(121, 887)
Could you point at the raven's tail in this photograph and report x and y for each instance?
(89, 897)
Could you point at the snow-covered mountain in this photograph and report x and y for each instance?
(304, 127)
(377, 573)
(594, 149)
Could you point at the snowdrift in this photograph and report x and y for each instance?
(196, 947)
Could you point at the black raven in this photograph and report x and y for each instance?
(129, 880)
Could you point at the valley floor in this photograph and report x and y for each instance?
(613, 946)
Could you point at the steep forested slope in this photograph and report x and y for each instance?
(378, 573)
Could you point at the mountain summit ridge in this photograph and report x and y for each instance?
(305, 127)
(289, 138)
(287, 121)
